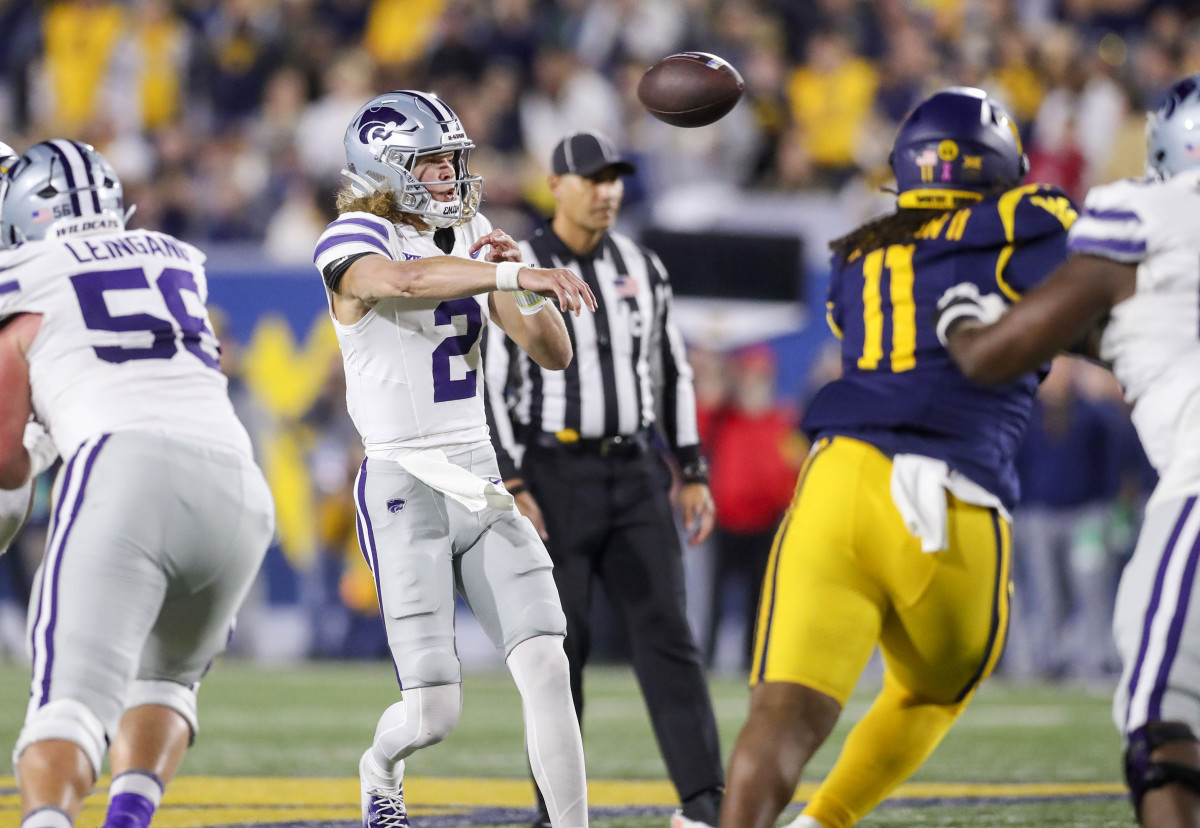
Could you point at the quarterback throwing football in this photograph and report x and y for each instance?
(413, 274)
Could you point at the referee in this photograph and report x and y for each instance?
(591, 479)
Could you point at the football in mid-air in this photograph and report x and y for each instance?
(690, 89)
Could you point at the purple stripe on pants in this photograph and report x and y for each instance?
(368, 548)
(57, 566)
(1154, 708)
(1156, 598)
(49, 561)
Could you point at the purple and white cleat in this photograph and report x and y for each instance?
(382, 801)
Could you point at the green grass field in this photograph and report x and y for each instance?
(315, 720)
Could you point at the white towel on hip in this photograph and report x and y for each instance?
(433, 469)
(919, 488)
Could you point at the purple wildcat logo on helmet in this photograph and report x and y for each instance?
(381, 123)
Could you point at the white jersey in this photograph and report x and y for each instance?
(125, 342)
(1153, 338)
(414, 377)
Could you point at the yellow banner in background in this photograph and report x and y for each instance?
(286, 379)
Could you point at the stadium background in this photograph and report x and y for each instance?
(225, 119)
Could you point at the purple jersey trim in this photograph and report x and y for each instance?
(1111, 215)
(333, 241)
(1084, 244)
(59, 554)
(1156, 599)
(9, 287)
(378, 225)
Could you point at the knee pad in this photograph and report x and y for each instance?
(538, 618)
(425, 717)
(541, 656)
(169, 694)
(433, 667)
(1143, 774)
(70, 721)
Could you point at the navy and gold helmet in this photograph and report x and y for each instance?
(954, 147)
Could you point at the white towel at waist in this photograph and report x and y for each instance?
(433, 469)
(919, 485)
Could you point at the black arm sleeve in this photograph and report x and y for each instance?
(333, 273)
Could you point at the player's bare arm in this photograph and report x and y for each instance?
(1063, 311)
(15, 405)
(541, 335)
(372, 278)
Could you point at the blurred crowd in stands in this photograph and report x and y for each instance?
(225, 117)
(225, 120)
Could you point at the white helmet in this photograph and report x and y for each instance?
(1173, 132)
(59, 188)
(387, 136)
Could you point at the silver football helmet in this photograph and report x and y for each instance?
(59, 188)
(1173, 132)
(387, 136)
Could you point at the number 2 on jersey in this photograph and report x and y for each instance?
(446, 389)
(897, 260)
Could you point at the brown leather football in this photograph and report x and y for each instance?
(690, 89)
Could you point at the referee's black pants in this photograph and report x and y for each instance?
(610, 518)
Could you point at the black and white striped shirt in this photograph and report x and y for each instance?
(629, 358)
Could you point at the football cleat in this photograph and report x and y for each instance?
(678, 820)
(382, 804)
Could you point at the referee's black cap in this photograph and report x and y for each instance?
(587, 153)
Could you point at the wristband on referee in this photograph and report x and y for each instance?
(506, 276)
(695, 472)
(529, 302)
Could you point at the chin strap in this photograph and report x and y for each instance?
(360, 186)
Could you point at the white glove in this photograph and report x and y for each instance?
(42, 452)
(964, 301)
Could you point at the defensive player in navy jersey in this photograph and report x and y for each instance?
(898, 535)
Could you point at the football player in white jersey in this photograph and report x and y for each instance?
(15, 503)
(1130, 295)
(413, 274)
(160, 517)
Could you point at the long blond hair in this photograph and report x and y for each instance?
(382, 204)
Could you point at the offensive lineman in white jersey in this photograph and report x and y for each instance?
(409, 299)
(1135, 274)
(15, 503)
(160, 518)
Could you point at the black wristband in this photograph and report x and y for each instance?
(516, 489)
(695, 472)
